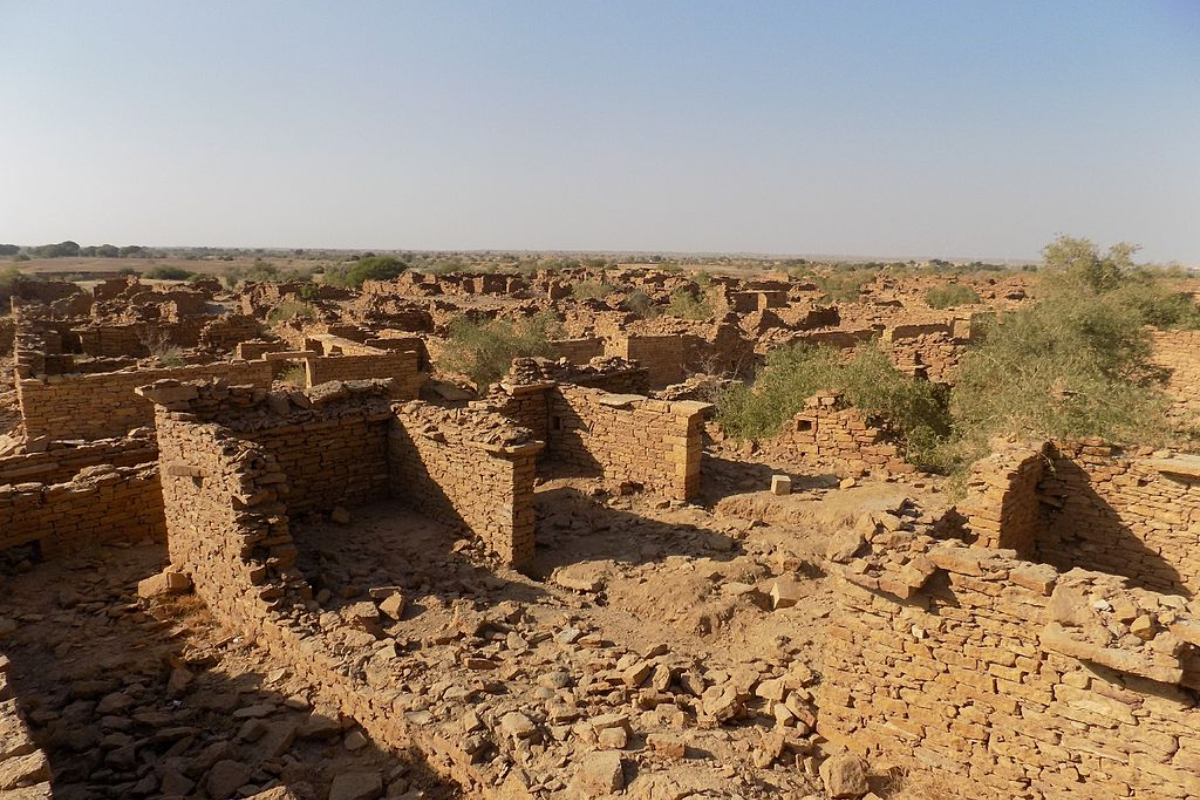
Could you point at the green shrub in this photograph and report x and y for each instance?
(591, 290)
(484, 351)
(367, 268)
(291, 309)
(912, 409)
(951, 295)
(167, 274)
(296, 375)
(640, 304)
(842, 285)
(685, 304)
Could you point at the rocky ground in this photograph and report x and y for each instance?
(663, 649)
(132, 698)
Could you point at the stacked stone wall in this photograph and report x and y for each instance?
(468, 467)
(990, 677)
(663, 356)
(1136, 516)
(226, 333)
(403, 367)
(61, 461)
(831, 433)
(628, 437)
(1179, 352)
(1003, 508)
(100, 504)
(104, 405)
(578, 351)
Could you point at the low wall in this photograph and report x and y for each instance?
(663, 356)
(25, 768)
(471, 468)
(578, 351)
(1093, 506)
(1136, 516)
(60, 461)
(104, 405)
(831, 433)
(403, 367)
(628, 437)
(101, 504)
(991, 677)
(1179, 352)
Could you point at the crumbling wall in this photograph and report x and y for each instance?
(578, 351)
(924, 351)
(100, 504)
(663, 356)
(831, 432)
(104, 405)
(403, 367)
(468, 467)
(1179, 352)
(1136, 516)
(227, 332)
(60, 461)
(227, 527)
(23, 765)
(995, 678)
(1003, 507)
(330, 444)
(628, 437)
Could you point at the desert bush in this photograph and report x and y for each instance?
(289, 310)
(951, 295)
(591, 290)
(913, 410)
(158, 343)
(295, 375)
(640, 304)
(685, 304)
(484, 351)
(167, 274)
(842, 285)
(367, 268)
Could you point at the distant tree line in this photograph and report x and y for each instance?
(69, 249)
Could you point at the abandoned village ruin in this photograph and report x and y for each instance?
(304, 540)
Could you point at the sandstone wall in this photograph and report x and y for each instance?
(1179, 352)
(403, 367)
(1003, 507)
(227, 527)
(663, 356)
(329, 462)
(627, 437)
(828, 432)
(104, 405)
(60, 461)
(994, 678)
(100, 504)
(24, 767)
(579, 351)
(470, 468)
(1135, 516)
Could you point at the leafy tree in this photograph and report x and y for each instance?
(367, 268)
(167, 274)
(9, 249)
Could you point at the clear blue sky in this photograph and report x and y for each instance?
(949, 127)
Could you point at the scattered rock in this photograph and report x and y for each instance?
(356, 786)
(600, 774)
(844, 776)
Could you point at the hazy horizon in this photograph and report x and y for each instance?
(912, 131)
